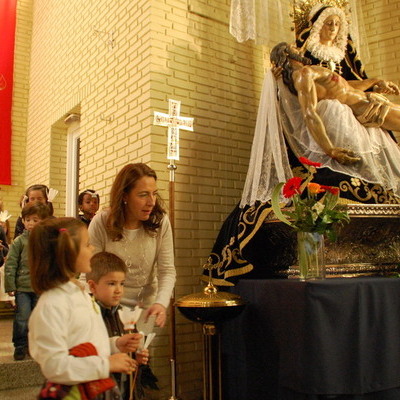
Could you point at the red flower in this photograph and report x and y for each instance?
(331, 189)
(306, 161)
(292, 187)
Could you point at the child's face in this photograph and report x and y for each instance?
(109, 289)
(85, 253)
(90, 205)
(30, 221)
(36, 195)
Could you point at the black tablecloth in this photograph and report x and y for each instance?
(302, 339)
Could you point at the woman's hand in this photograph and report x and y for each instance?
(121, 362)
(142, 356)
(128, 343)
(160, 311)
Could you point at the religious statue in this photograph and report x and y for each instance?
(322, 32)
(295, 119)
(314, 83)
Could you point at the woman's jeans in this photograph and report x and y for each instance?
(25, 302)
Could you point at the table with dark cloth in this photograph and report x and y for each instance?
(327, 339)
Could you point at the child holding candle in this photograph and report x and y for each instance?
(106, 282)
(67, 336)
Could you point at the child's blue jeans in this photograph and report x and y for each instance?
(25, 302)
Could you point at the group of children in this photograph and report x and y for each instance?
(77, 339)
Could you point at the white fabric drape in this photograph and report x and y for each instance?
(269, 163)
(263, 21)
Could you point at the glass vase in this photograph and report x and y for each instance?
(310, 250)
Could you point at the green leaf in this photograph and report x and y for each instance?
(275, 204)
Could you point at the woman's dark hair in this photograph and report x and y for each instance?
(124, 182)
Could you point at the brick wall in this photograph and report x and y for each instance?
(10, 195)
(381, 19)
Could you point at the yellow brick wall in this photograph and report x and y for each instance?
(10, 195)
(382, 23)
(116, 63)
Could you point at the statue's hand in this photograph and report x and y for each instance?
(343, 156)
(276, 71)
(386, 87)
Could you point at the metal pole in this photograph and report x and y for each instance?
(172, 168)
(212, 386)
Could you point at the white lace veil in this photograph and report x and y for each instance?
(269, 163)
(260, 20)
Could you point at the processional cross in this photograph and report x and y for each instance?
(174, 122)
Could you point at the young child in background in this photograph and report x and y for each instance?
(5, 221)
(17, 280)
(3, 254)
(67, 335)
(5, 240)
(89, 203)
(39, 193)
(106, 282)
(3, 245)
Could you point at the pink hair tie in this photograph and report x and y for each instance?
(62, 230)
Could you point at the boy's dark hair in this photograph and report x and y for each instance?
(90, 192)
(104, 262)
(36, 208)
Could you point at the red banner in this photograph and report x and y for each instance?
(7, 40)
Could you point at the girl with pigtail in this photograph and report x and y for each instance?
(67, 335)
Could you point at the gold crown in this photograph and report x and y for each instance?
(302, 8)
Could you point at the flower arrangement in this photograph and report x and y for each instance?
(315, 207)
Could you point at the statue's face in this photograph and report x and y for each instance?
(329, 29)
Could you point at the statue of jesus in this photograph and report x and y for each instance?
(313, 83)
